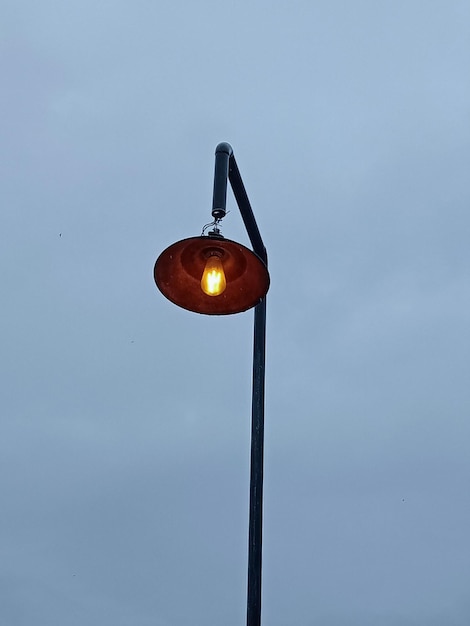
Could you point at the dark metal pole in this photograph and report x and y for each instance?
(225, 165)
(255, 536)
(246, 211)
(223, 153)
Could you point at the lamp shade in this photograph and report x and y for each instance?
(179, 269)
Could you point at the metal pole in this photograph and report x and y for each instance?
(225, 165)
(223, 153)
(255, 536)
(246, 211)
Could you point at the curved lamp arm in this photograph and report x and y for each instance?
(226, 168)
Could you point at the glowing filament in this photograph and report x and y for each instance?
(213, 279)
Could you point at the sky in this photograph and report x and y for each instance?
(125, 420)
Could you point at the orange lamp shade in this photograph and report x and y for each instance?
(214, 276)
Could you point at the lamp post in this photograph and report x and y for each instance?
(216, 276)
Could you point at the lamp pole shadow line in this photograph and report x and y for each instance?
(179, 274)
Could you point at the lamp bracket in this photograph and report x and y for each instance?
(226, 168)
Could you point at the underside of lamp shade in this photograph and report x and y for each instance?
(178, 272)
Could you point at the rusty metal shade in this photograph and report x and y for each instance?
(179, 268)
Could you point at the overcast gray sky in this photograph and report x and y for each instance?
(124, 451)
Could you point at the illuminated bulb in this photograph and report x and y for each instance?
(213, 279)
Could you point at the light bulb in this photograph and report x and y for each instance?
(213, 279)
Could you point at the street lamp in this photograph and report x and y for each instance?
(216, 276)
